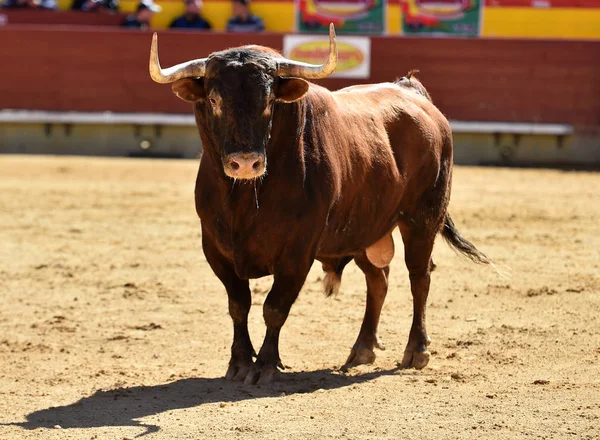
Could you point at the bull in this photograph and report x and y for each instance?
(292, 173)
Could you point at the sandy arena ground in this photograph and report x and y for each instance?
(112, 324)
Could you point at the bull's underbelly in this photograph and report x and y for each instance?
(353, 229)
(359, 218)
(258, 252)
(355, 234)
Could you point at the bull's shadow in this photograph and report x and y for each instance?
(122, 406)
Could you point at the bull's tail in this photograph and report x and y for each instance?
(462, 245)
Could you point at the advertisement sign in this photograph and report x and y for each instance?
(354, 53)
(544, 3)
(442, 17)
(348, 16)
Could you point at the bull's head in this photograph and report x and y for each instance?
(235, 92)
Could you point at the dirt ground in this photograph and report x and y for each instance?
(112, 325)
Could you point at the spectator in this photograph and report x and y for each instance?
(29, 4)
(95, 5)
(143, 14)
(243, 20)
(191, 19)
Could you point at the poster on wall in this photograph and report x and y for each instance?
(348, 16)
(354, 53)
(542, 4)
(442, 17)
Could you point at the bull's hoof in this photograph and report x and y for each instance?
(261, 375)
(362, 353)
(415, 359)
(238, 371)
(359, 356)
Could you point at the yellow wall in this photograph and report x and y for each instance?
(541, 23)
(278, 16)
(394, 19)
(573, 23)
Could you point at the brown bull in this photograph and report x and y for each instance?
(292, 172)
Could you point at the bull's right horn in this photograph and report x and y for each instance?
(189, 69)
(291, 68)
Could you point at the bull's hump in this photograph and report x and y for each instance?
(369, 88)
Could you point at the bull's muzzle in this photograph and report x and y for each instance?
(244, 165)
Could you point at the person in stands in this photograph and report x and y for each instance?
(243, 20)
(29, 4)
(143, 14)
(95, 5)
(191, 19)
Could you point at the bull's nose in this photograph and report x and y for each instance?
(244, 165)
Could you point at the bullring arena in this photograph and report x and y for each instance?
(114, 326)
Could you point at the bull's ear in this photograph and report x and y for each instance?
(290, 89)
(188, 89)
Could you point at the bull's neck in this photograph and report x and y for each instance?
(284, 150)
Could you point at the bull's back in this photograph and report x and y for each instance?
(388, 150)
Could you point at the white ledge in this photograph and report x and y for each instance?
(510, 127)
(110, 118)
(102, 118)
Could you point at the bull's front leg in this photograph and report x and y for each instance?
(239, 296)
(241, 349)
(275, 312)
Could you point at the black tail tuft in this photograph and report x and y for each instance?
(462, 245)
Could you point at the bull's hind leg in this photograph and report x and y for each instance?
(377, 286)
(418, 245)
(238, 293)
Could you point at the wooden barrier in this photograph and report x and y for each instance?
(101, 69)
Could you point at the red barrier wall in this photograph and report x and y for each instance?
(93, 69)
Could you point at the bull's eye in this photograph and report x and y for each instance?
(213, 101)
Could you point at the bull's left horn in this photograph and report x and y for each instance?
(290, 68)
(189, 69)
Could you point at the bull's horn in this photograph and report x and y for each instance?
(189, 69)
(290, 68)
